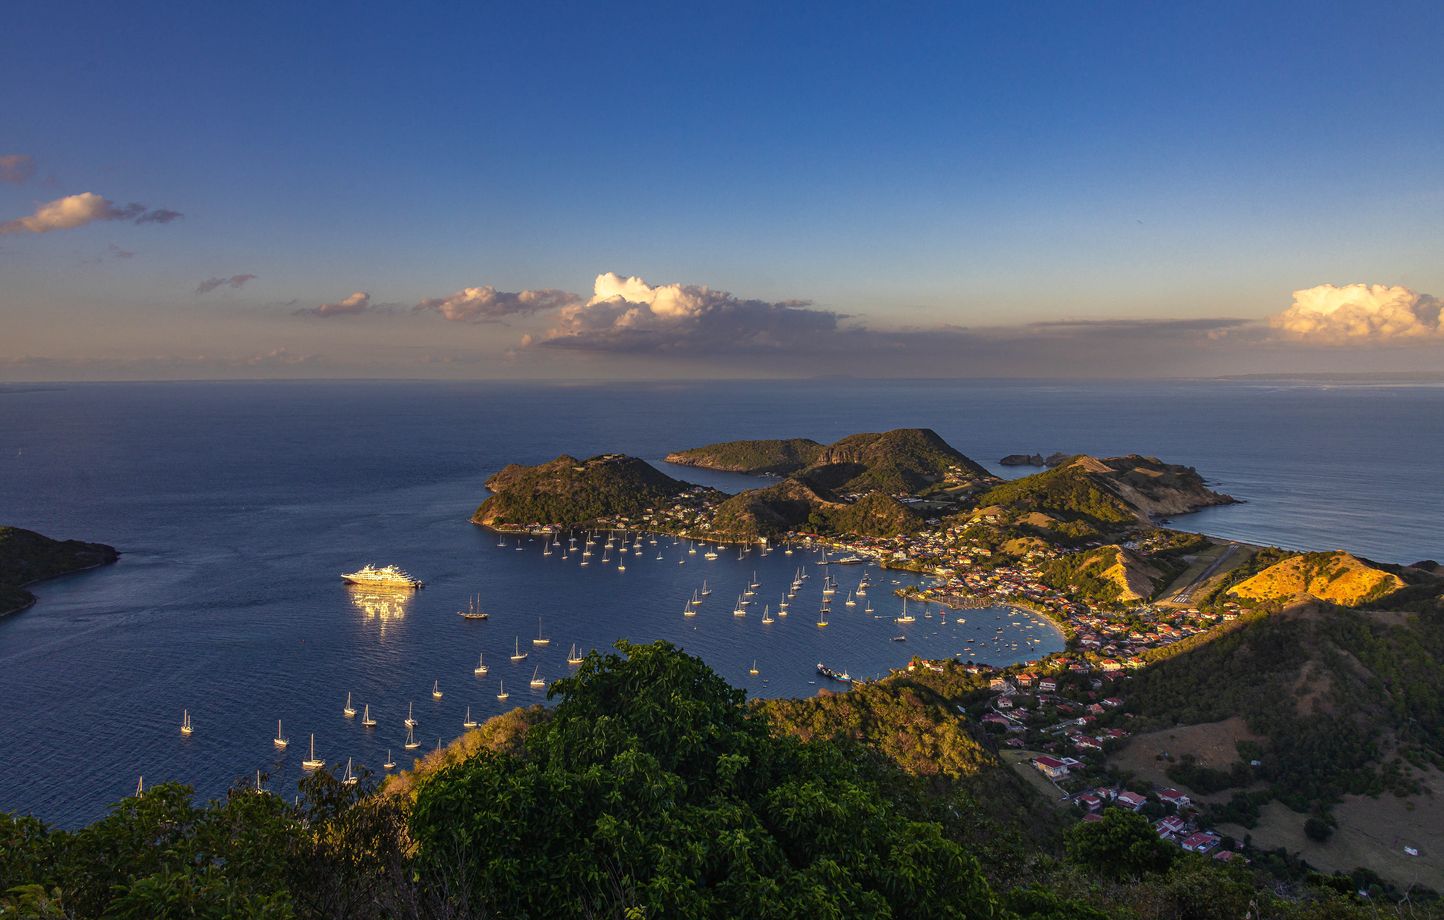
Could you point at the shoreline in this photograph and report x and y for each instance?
(35, 600)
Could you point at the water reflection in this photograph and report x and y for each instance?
(381, 604)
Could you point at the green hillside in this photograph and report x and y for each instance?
(1106, 493)
(571, 492)
(902, 460)
(780, 457)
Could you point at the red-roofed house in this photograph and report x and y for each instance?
(1051, 767)
(1200, 842)
(1130, 800)
(1174, 797)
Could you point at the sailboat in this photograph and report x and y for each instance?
(280, 741)
(536, 681)
(468, 722)
(688, 610)
(472, 611)
(754, 584)
(348, 710)
(705, 590)
(868, 608)
(540, 639)
(410, 717)
(436, 690)
(741, 609)
(501, 690)
(905, 617)
(186, 727)
(753, 670)
(312, 762)
(348, 778)
(411, 742)
(518, 655)
(366, 719)
(574, 656)
(766, 614)
(822, 618)
(481, 668)
(140, 786)
(389, 764)
(850, 602)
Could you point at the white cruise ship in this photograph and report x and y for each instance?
(387, 577)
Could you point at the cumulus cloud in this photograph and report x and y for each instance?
(358, 302)
(1360, 314)
(234, 281)
(16, 168)
(86, 208)
(483, 304)
(630, 315)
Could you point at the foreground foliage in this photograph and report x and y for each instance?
(651, 790)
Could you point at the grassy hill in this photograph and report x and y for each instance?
(26, 557)
(1347, 702)
(571, 492)
(1105, 575)
(780, 457)
(1336, 577)
(1106, 493)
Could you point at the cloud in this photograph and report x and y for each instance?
(78, 210)
(629, 315)
(117, 252)
(234, 281)
(1360, 314)
(483, 304)
(16, 168)
(359, 302)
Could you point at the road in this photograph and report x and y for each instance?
(1185, 594)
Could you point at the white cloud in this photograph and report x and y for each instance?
(480, 304)
(628, 314)
(1360, 314)
(78, 210)
(358, 302)
(16, 168)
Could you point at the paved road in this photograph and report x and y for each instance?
(1185, 594)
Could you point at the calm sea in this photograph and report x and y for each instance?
(236, 506)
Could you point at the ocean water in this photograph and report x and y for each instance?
(237, 504)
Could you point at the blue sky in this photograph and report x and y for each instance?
(903, 168)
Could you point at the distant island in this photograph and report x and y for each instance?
(27, 557)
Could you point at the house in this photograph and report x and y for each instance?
(1113, 702)
(1089, 802)
(1200, 842)
(1170, 826)
(1048, 685)
(1026, 679)
(1175, 798)
(1130, 800)
(1051, 767)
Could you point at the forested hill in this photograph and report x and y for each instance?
(569, 492)
(776, 457)
(26, 557)
(903, 460)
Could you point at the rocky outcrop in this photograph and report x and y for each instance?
(1022, 460)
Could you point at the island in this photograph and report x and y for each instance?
(1229, 691)
(27, 557)
(1022, 460)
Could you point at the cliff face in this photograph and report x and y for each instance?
(570, 492)
(1337, 578)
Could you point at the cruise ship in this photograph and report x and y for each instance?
(388, 577)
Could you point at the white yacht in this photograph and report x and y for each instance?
(385, 577)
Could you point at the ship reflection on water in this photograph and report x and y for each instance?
(381, 604)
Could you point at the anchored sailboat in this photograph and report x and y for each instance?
(348, 778)
(312, 762)
(186, 727)
(501, 690)
(389, 764)
(468, 722)
(540, 639)
(481, 667)
(366, 719)
(411, 742)
(536, 681)
(518, 655)
(436, 690)
(348, 710)
(280, 741)
(574, 656)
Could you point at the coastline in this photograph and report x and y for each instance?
(36, 581)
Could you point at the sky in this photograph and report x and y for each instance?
(581, 191)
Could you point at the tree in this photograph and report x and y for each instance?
(1122, 846)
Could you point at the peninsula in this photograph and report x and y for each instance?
(27, 557)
